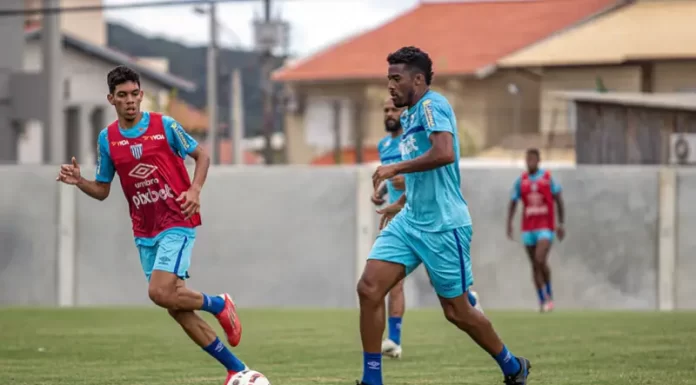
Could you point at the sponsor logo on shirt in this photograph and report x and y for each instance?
(428, 111)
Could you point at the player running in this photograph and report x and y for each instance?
(393, 188)
(434, 227)
(147, 151)
(538, 191)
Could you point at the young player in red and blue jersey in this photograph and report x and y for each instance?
(147, 151)
(538, 192)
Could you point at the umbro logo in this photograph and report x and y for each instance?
(142, 171)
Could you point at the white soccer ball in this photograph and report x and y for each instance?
(248, 377)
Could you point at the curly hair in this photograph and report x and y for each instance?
(120, 75)
(415, 60)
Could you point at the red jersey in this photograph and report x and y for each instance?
(152, 177)
(537, 199)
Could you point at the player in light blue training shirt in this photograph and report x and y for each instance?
(431, 222)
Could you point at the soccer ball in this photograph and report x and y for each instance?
(248, 377)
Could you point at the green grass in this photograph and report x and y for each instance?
(143, 346)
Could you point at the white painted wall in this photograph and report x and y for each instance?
(85, 77)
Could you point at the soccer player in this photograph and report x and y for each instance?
(147, 151)
(538, 192)
(389, 153)
(430, 222)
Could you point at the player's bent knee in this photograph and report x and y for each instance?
(162, 296)
(369, 291)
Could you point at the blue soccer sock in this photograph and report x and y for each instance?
(395, 329)
(472, 299)
(213, 305)
(508, 362)
(542, 296)
(219, 351)
(549, 293)
(372, 368)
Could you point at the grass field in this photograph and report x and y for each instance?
(143, 346)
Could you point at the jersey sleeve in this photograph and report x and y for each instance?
(435, 117)
(105, 166)
(179, 140)
(516, 193)
(555, 187)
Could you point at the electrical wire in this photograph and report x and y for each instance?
(104, 7)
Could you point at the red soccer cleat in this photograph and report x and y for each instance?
(229, 320)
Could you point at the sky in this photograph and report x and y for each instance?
(310, 32)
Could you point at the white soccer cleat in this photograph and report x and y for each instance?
(478, 301)
(391, 349)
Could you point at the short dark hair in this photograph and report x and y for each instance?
(120, 75)
(415, 60)
(533, 151)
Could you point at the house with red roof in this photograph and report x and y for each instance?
(338, 92)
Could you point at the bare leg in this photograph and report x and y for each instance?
(376, 281)
(396, 304)
(541, 260)
(537, 273)
(460, 312)
(168, 291)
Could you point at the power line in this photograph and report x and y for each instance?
(93, 8)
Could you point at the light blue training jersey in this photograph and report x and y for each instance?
(180, 142)
(389, 153)
(434, 200)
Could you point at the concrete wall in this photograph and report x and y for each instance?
(298, 237)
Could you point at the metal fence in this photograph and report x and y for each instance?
(298, 237)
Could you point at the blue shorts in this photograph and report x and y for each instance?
(446, 255)
(171, 253)
(531, 238)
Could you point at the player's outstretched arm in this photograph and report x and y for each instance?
(71, 174)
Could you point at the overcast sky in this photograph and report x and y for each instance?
(315, 23)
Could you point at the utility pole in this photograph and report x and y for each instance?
(267, 63)
(237, 116)
(54, 123)
(338, 145)
(212, 72)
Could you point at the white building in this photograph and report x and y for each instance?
(85, 65)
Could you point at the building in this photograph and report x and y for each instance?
(646, 46)
(465, 41)
(631, 128)
(87, 26)
(84, 67)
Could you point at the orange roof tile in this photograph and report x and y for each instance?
(460, 37)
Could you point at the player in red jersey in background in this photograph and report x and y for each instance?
(538, 192)
(147, 151)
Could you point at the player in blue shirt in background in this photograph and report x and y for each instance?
(430, 222)
(389, 153)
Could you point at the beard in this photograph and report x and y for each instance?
(395, 126)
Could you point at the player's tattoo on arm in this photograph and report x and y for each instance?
(200, 173)
(441, 153)
(95, 189)
(561, 208)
